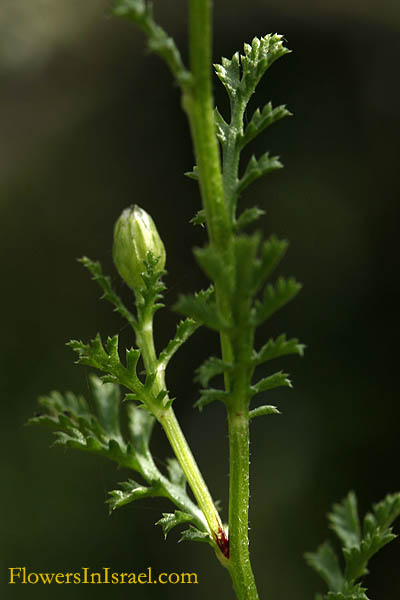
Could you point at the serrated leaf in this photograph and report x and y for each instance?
(195, 535)
(201, 307)
(257, 168)
(214, 266)
(199, 218)
(326, 563)
(175, 473)
(194, 174)
(107, 399)
(141, 13)
(107, 360)
(279, 379)
(247, 217)
(260, 120)
(184, 330)
(221, 127)
(245, 249)
(152, 293)
(345, 522)
(260, 411)
(272, 252)
(211, 368)
(171, 520)
(140, 427)
(240, 75)
(275, 296)
(229, 74)
(211, 395)
(108, 293)
(276, 348)
(131, 491)
(257, 58)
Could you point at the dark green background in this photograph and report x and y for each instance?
(91, 124)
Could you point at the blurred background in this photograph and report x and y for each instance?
(91, 123)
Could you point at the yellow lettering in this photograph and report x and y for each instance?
(85, 573)
(189, 576)
(77, 578)
(132, 577)
(58, 577)
(122, 576)
(68, 576)
(176, 578)
(47, 577)
(114, 578)
(140, 577)
(12, 575)
(149, 571)
(92, 577)
(35, 576)
(160, 580)
(106, 569)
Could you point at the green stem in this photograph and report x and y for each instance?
(198, 102)
(240, 568)
(173, 431)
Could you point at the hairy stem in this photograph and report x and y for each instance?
(198, 102)
(169, 423)
(240, 568)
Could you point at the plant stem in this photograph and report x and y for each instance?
(198, 102)
(240, 568)
(173, 431)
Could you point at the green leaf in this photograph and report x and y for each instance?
(184, 330)
(221, 127)
(275, 296)
(229, 74)
(247, 217)
(78, 428)
(257, 168)
(201, 307)
(140, 427)
(358, 546)
(171, 520)
(211, 395)
(260, 411)
(199, 218)
(107, 360)
(211, 367)
(279, 379)
(195, 535)
(326, 563)
(245, 249)
(175, 473)
(376, 534)
(153, 289)
(141, 13)
(214, 266)
(240, 75)
(345, 522)
(107, 400)
(260, 120)
(131, 491)
(276, 348)
(272, 252)
(194, 174)
(108, 293)
(258, 57)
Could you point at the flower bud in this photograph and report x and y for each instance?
(135, 235)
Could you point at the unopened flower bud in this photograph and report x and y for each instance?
(135, 235)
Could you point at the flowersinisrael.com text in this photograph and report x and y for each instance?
(85, 575)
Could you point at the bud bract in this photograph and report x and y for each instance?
(135, 235)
